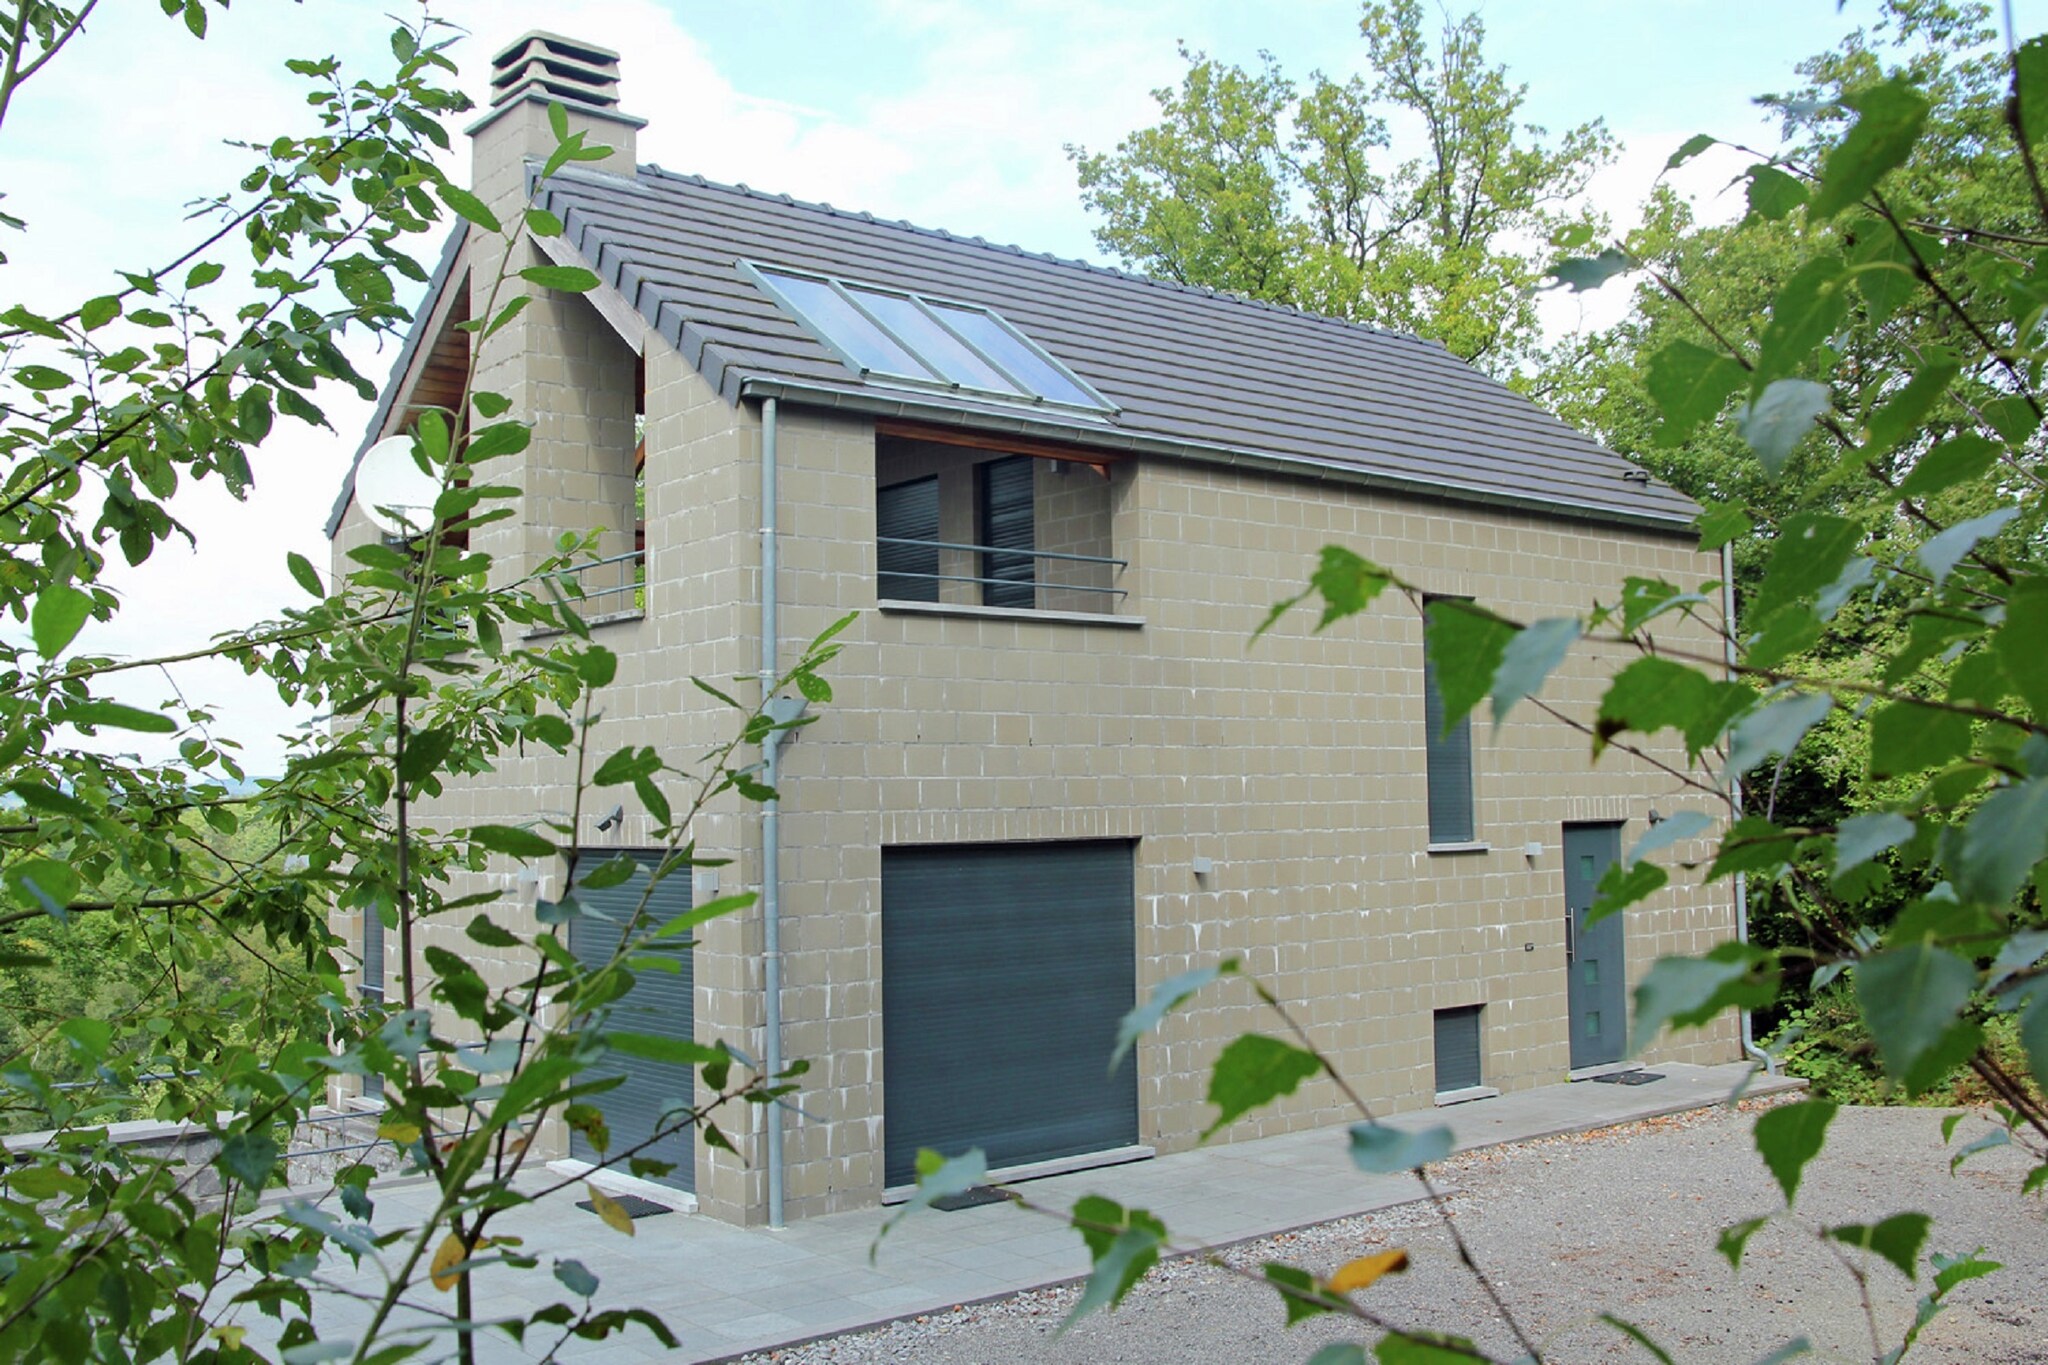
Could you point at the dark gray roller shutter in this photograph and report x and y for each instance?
(907, 511)
(660, 1002)
(1006, 524)
(1005, 969)
(1457, 1048)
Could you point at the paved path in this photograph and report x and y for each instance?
(726, 1291)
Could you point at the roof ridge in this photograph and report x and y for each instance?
(1198, 291)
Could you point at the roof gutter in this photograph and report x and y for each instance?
(1113, 438)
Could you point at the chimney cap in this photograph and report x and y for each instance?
(550, 66)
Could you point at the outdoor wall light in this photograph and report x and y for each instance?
(613, 820)
(1201, 867)
(1532, 850)
(1654, 818)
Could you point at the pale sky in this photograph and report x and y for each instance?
(950, 113)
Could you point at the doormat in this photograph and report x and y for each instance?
(1630, 1077)
(633, 1204)
(970, 1199)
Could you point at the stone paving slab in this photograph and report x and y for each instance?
(727, 1291)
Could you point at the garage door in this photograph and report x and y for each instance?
(1005, 969)
(659, 1003)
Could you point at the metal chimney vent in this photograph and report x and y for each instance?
(551, 67)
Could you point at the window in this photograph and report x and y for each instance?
(1004, 512)
(912, 338)
(1449, 760)
(1457, 1049)
(906, 541)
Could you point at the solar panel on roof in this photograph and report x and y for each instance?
(897, 336)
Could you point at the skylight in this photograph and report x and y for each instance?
(896, 335)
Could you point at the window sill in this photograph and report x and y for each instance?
(1466, 1095)
(894, 606)
(1467, 847)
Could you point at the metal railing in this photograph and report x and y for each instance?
(1034, 582)
(628, 596)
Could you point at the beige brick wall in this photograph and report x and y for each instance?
(1296, 764)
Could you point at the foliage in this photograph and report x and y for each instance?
(1875, 358)
(224, 887)
(1250, 185)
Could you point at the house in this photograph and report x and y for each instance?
(1056, 770)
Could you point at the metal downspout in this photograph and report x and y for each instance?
(1749, 1045)
(771, 832)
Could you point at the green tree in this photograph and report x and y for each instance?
(162, 873)
(1250, 185)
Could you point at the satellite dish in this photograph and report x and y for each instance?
(393, 491)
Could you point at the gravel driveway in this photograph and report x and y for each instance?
(1622, 1220)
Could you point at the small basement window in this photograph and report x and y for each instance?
(1457, 1049)
(918, 339)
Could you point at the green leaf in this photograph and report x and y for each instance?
(303, 574)
(1675, 829)
(573, 279)
(1721, 523)
(97, 313)
(1123, 1243)
(655, 1047)
(1377, 1149)
(596, 666)
(1906, 737)
(96, 713)
(195, 17)
(249, 1158)
(1897, 1239)
(1776, 729)
(2003, 842)
(203, 274)
(2022, 642)
(576, 1278)
(1253, 1070)
(937, 1178)
(520, 843)
(1639, 1337)
(1950, 1271)
(1690, 385)
(1890, 116)
(57, 617)
(1346, 582)
(500, 438)
(1589, 272)
(469, 206)
(41, 378)
(1652, 693)
(1791, 1350)
(1789, 1136)
(541, 223)
(1903, 413)
(1425, 1348)
(487, 931)
(1734, 1240)
(1300, 1294)
(1805, 312)
(1623, 885)
(1911, 997)
(2030, 87)
(1464, 644)
(1339, 1353)
(1780, 418)
(1943, 552)
(1773, 194)
(1530, 657)
(1959, 459)
(2033, 1034)
(490, 405)
(1165, 998)
(44, 882)
(1863, 837)
(1688, 992)
(424, 751)
(1690, 148)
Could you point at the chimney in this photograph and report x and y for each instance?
(534, 71)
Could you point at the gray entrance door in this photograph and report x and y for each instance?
(1005, 968)
(1597, 987)
(661, 1002)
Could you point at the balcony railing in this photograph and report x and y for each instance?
(607, 589)
(898, 582)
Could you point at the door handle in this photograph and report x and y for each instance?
(1571, 937)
